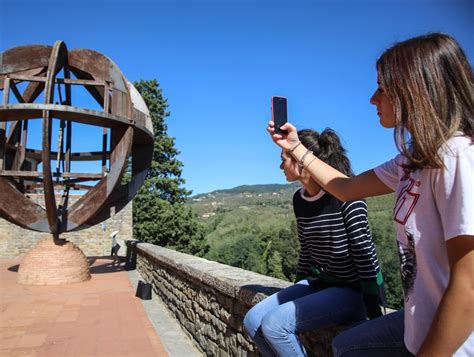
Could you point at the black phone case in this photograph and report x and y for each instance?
(279, 113)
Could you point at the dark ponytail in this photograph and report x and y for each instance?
(328, 148)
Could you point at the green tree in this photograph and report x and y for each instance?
(159, 214)
(274, 265)
(383, 233)
(280, 255)
(239, 251)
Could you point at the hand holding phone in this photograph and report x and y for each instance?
(279, 113)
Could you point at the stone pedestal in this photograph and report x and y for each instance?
(54, 262)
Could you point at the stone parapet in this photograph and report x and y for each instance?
(210, 300)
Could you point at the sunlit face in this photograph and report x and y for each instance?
(384, 107)
(289, 167)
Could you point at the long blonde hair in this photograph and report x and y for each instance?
(429, 82)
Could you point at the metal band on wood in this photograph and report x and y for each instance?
(37, 83)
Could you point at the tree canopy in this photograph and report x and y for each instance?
(159, 214)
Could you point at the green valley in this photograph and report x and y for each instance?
(253, 227)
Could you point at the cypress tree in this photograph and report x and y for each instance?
(159, 214)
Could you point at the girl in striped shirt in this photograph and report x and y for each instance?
(338, 275)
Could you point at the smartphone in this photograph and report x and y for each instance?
(279, 113)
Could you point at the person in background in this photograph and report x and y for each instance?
(338, 275)
(425, 92)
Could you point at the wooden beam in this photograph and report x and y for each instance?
(14, 133)
(19, 209)
(82, 175)
(19, 157)
(25, 58)
(82, 179)
(23, 111)
(2, 144)
(33, 91)
(60, 154)
(104, 130)
(76, 156)
(6, 91)
(17, 94)
(3, 124)
(68, 155)
(24, 140)
(23, 78)
(82, 82)
(104, 151)
(28, 174)
(59, 186)
(67, 77)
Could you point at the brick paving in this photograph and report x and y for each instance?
(99, 317)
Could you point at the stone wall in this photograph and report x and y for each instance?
(210, 300)
(15, 241)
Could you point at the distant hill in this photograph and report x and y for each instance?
(270, 198)
(248, 226)
(266, 195)
(267, 188)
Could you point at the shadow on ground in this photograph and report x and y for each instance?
(106, 264)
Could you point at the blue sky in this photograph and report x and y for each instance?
(219, 62)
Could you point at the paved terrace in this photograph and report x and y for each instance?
(100, 317)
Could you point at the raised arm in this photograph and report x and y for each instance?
(339, 185)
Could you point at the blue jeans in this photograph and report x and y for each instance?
(379, 337)
(274, 323)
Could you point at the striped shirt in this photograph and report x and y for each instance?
(334, 237)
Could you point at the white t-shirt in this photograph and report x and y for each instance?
(432, 206)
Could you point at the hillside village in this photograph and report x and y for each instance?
(208, 205)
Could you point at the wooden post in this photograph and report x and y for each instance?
(3, 124)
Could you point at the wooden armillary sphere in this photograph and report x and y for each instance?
(38, 84)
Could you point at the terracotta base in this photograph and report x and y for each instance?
(54, 262)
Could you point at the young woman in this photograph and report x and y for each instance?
(338, 276)
(425, 92)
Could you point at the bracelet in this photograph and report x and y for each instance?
(294, 147)
(309, 163)
(301, 163)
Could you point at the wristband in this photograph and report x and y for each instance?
(294, 147)
(301, 163)
(309, 163)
